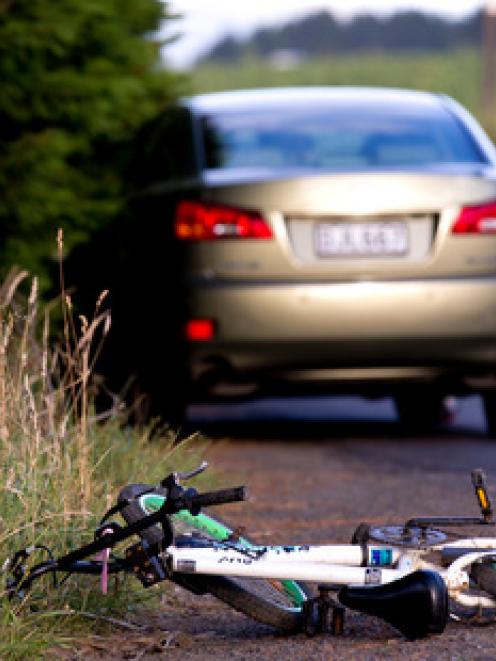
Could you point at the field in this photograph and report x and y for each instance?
(458, 74)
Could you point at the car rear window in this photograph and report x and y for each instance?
(337, 136)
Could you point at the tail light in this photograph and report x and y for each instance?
(199, 221)
(480, 219)
(200, 330)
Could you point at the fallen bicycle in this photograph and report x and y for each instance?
(410, 575)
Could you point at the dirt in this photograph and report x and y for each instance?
(317, 490)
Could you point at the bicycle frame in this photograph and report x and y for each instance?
(337, 565)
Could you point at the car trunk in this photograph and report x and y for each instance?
(356, 226)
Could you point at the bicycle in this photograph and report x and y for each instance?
(405, 574)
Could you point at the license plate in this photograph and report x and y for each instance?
(388, 238)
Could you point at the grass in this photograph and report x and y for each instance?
(456, 73)
(61, 466)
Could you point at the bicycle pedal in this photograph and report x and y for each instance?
(323, 614)
(331, 613)
(480, 487)
(145, 566)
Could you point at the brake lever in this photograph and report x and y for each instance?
(196, 471)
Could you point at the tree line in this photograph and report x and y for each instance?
(321, 33)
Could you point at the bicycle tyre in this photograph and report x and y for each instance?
(268, 602)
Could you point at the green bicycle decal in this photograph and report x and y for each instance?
(151, 503)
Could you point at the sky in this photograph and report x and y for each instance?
(204, 22)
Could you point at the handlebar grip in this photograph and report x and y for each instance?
(209, 498)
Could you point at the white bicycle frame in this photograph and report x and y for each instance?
(339, 565)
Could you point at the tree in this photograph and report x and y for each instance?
(79, 80)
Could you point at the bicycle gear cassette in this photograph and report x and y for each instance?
(414, 537)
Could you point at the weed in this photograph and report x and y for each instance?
(61, 466)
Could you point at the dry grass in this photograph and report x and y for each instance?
(60, 466)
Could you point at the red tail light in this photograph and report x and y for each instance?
(200, 330)
(198, 221)
(476, 220)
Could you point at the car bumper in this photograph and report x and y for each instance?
(347, 330)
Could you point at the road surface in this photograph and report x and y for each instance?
(315, 470)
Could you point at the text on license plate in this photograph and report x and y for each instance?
(361, 239)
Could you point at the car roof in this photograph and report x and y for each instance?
(292, 96)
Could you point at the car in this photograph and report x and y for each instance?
(335, 240)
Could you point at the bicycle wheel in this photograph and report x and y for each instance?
(276, 603)
(484, 574)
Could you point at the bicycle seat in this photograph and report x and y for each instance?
(416, 605)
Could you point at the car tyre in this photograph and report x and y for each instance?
(420, 409)
(489, 398)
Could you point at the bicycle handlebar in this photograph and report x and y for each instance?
(72, 562)
(220, 497)
(185, 500)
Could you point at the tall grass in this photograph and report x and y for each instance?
(60, 466)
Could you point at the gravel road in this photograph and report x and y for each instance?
(314, 482)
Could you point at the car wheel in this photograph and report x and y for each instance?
(489, 398)
(420, 409)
